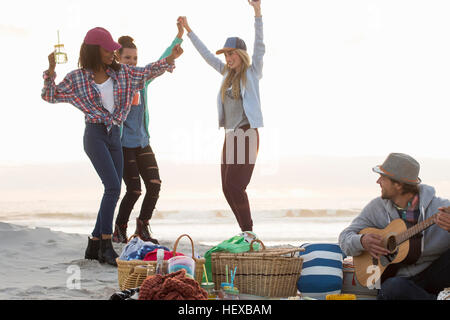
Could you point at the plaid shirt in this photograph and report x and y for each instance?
(78, 88)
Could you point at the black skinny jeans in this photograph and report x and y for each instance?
(139, 162)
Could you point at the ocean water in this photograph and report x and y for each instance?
(207, 226)
(298, 204)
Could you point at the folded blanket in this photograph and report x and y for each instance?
(151, 256)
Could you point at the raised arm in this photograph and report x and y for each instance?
(53, 93)
(207, 55)
(178, 40)
(139, 75)
(259, 48)
(256, 6)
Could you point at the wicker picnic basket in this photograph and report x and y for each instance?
(199, 262)
(132, 273)
(137, 276)
(270, 272)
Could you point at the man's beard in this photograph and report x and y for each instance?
(385, 196)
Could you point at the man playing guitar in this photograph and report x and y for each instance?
(424, 269)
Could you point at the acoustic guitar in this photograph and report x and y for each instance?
(396, 238)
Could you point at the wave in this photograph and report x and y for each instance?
(187, 214)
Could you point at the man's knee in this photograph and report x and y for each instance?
(393, 288)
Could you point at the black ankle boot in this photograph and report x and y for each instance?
(106, 252)
(143, 232)
(120, 234)
(92, 249)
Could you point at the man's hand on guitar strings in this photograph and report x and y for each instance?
(443, 218)
(373, 244)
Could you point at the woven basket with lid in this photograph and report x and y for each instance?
(270, 272)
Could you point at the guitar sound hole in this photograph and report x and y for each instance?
(391, 243)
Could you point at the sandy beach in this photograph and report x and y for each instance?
(42, 264)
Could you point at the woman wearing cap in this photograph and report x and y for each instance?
(240, 114)
(139, 158)
(103, 90)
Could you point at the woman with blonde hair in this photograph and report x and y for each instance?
(240, 113)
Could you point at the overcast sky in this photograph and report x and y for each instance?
(341, 77)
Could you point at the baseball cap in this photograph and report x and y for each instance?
(102, 37)
(232, 44)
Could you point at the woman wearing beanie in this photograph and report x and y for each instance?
(103, 90)
(240, 114)
(139, 158)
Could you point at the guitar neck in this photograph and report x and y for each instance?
(411, 232)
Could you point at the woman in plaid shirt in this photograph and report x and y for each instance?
(103, 90)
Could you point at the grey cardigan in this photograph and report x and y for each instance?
(250, 92)
(379, 213)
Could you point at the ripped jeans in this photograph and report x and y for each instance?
(139, 162)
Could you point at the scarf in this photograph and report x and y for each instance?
(411, 212)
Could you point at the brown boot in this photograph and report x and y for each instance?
(120, 234)
(142, 231)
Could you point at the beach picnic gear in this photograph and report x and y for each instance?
(128, 294)
(172, 286)
(101, 37)
(322, 270)
(231, 44)
(269, 272)
(209, 287)
(349, 283)
(152, 256)
(140, 272)
(129, 268)
(137, 249)
(199, 262)
(400, 167)
(182, 262)
(238, 243)
(340, 296)
(137, 276)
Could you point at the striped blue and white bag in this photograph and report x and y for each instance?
(322, 270)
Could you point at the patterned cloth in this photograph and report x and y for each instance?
(411, 212)
(78, 88)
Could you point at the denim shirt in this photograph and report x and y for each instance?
(250, 91)
(134, 133)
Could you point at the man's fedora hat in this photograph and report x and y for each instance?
(400, 167)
